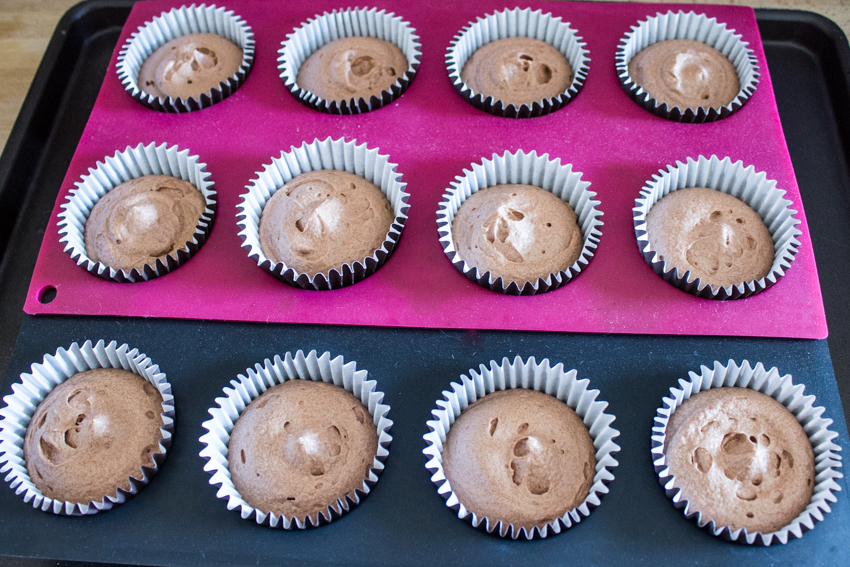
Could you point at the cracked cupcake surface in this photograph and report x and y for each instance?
(517, 70)
(141, 220)
(352, 67)
(685, 73)
(716, 236)
(517, 232)
(189, 65)
(323, 219)
(299, 446)
(741, 458)
(519, 456)
(92, 433)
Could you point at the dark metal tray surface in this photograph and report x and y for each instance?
(177, 520)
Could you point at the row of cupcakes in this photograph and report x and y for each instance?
(330, 213)
(519, 448)
(514, 63)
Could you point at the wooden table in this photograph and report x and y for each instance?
(27, 25)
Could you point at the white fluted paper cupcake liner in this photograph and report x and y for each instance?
(123, 166)
(697, 27)
(171, 25)
(312, 366)
(528, 169)
(528, 374)
(518, 23)
(320, 30)
(36, 385)
(792, 396)
(732, 178)
(316, 155)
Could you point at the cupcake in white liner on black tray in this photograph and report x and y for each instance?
(35, 386)
(746, 185)
(533, 67)
(703, 75)
(316, 230)
(155, 254)
(752, 482)
(518, 226)
(310, 367)
(214, 63)
(363, 75)
(525, 473)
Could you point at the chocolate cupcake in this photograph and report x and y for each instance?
(518, 63)
(142, 220)
(187, 59)
(520, 457)
(323, 219)
(352, 68)
(65, 439)
(325, 215)
(686, 67)
(686, 74)
(297, 442)
(741, 458)
(507, 230)
(716, 229)
(746, 453)
(350, 62)
(139, 214)
(517, 71)
(716, 236)
(519, 224)
(301, 445)
(55, 446)
(521, 448)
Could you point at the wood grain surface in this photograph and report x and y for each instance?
(27, 25)
(25, 30)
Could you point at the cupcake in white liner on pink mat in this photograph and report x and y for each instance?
(518, 63)
(715, 228)
(186, 59)
(687, 67)
(519, 223)
(324, 215)
(350, 61)
(139, 214)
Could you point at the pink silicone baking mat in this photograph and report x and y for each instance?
(432, 134)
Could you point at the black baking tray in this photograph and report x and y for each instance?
(177, 520)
